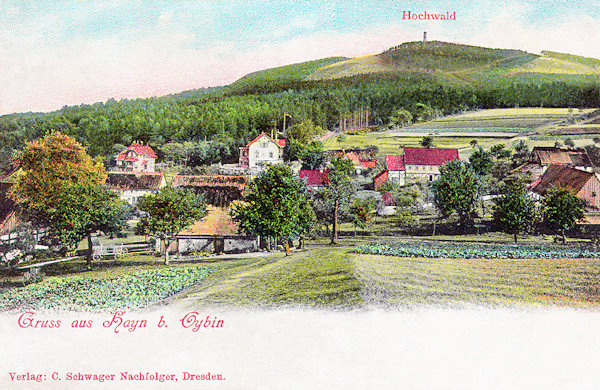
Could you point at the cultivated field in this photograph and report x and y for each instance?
(504, 118)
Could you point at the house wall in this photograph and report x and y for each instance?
(264, 151)
(132, 196)
(397, 176)
(422, 172)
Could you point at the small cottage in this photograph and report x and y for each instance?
(586, 185)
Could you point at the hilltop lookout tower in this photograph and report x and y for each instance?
(424, 36)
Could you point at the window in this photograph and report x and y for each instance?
(256, 155)
(270, 154)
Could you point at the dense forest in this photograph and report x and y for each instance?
(232, 116)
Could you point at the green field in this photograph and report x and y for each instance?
(320, 276)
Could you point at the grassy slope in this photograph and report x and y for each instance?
(448, 63)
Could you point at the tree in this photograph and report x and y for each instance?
(427, 141)
(401, 117)
(480, 161)
(515, 211)
(83, 209)
(313, 156)
(304, 132)
(455, 191)
(340, 189)
(362, 211)
(521, 154)
(49, 165)
(276, 206)
(562, 209)
(169, 212)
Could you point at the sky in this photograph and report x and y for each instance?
(57, 53)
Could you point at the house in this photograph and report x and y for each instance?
(132, 185)
(261, 151)
(585, 185)
(416, 164)
(546, 156)
(424, 164)
(314, 178)
(9, 215)
(136, 158)
(217, 190)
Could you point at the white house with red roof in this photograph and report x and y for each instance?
(425, 163)
(416, 164)
(136, 158)
(261, 151)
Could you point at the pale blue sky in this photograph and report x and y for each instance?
(54, 53)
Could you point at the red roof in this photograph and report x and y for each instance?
(388, 199)
(139, 149)
(314, 177)
(368, 163)
(280, 142)
(429, 156)
(395, 162)
(562, 176)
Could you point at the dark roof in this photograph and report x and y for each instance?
(395, 162)
(557, 156)
(139, 149)
(237, 181)
(562, 176)
(314, 177)
(429, 156)
(134, 181)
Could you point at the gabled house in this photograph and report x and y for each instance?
(424, 163)
(132, 185)
(217, 190)
(586, 185)
(136, 158)
(261, 151)
(395, 167)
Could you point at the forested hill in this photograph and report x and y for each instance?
(445, 78)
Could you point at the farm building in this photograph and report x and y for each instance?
(416, 164)
(586, 185)
(546, 156)
(9, 215)
(132, 185)
(136, 158)
(261, 151)
(217, 190)
(424, 163)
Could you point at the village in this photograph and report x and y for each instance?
(353, 197)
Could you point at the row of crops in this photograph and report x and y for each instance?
(132, 291)
(477, 251)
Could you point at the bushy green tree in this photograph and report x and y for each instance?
(275, 206)
(427, 141)
(362, 211)
(562, 210)
(480, 161)
(169, 212)
(401, 117)
(455, 191)
(83, 209)
(515, 211)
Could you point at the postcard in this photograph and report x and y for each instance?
(258, 194)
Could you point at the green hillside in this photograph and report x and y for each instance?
(449, 63)
(281, 75)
